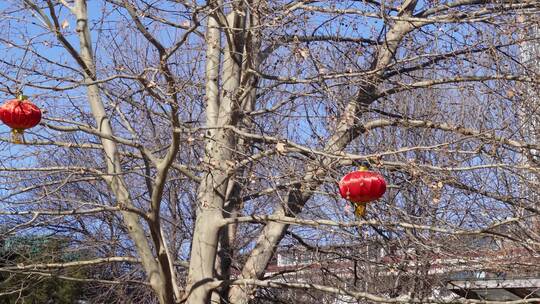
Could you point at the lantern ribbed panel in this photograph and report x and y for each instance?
(362, 186)
(20, 114)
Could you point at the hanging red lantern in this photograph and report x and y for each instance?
(20, 114)
(361, 187)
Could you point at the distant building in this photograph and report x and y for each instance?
(487, 270)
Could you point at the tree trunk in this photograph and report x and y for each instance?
(116, 182)
(220, 143)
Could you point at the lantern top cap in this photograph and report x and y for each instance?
(22, 97)
(362, 168)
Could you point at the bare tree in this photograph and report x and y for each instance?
(184, 143)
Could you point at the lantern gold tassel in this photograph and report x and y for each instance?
(17, 136)
(360, 209)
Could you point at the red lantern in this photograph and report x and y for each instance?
(20, 114)
(361, 187)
